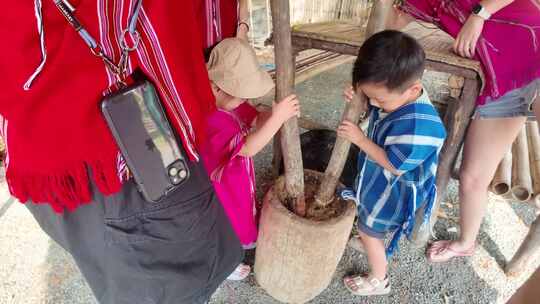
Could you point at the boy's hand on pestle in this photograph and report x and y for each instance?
(349, 94)
(351, 132)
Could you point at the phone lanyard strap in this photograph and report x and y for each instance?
(119, 69)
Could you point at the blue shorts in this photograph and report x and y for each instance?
(348, 194)
(516, 103)
(371, 232)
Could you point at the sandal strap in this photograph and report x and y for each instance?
(362, 281)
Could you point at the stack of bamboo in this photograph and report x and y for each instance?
(518, 174)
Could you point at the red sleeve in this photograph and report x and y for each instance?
(420, 9)
(229, 18)
(199, 6)
(178, 33)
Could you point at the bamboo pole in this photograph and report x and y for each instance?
(502, 180)
(521, 173)
(533, 136)
(353, 110)
(289, 134)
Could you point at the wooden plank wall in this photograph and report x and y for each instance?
(309, 11)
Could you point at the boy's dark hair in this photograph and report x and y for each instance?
(391, 58)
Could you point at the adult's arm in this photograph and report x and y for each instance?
(243, 19)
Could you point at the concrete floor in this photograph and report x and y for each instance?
(34, 270)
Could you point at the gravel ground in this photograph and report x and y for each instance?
(35, 270)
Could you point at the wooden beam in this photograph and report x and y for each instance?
(303, 43)
(289, 133)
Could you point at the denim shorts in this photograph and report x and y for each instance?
(516, 103)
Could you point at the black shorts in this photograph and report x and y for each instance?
(134, 252)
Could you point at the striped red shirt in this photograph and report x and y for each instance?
(54, 131)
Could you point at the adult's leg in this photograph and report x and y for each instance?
(486, 143)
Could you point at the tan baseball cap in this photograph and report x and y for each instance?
(233, 67)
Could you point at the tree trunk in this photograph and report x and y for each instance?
(289, 134)
(376, 23)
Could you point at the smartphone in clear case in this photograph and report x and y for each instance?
(142, 131)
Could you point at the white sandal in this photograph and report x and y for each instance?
(241, 272)
(366, 285)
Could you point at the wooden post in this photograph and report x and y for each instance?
(378, 16)
(527, 252)
(352, 112)
(457, 119)
(521, 173)
(289, 134)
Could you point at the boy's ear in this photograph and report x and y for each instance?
(416, 88)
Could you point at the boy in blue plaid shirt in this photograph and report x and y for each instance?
(398, 157)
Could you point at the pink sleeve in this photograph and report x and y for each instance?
(247, 113)
(421, 9)
(224, 142)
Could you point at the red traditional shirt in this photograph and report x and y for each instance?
(217, 20)
(54, 130)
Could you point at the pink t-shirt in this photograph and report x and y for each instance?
(508, 48)
(233, 175)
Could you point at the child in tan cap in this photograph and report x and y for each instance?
(231, 143)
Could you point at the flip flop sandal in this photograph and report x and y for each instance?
(241, 272)
(366, 286)
(440, 252)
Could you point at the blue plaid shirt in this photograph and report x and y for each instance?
(412, 137)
